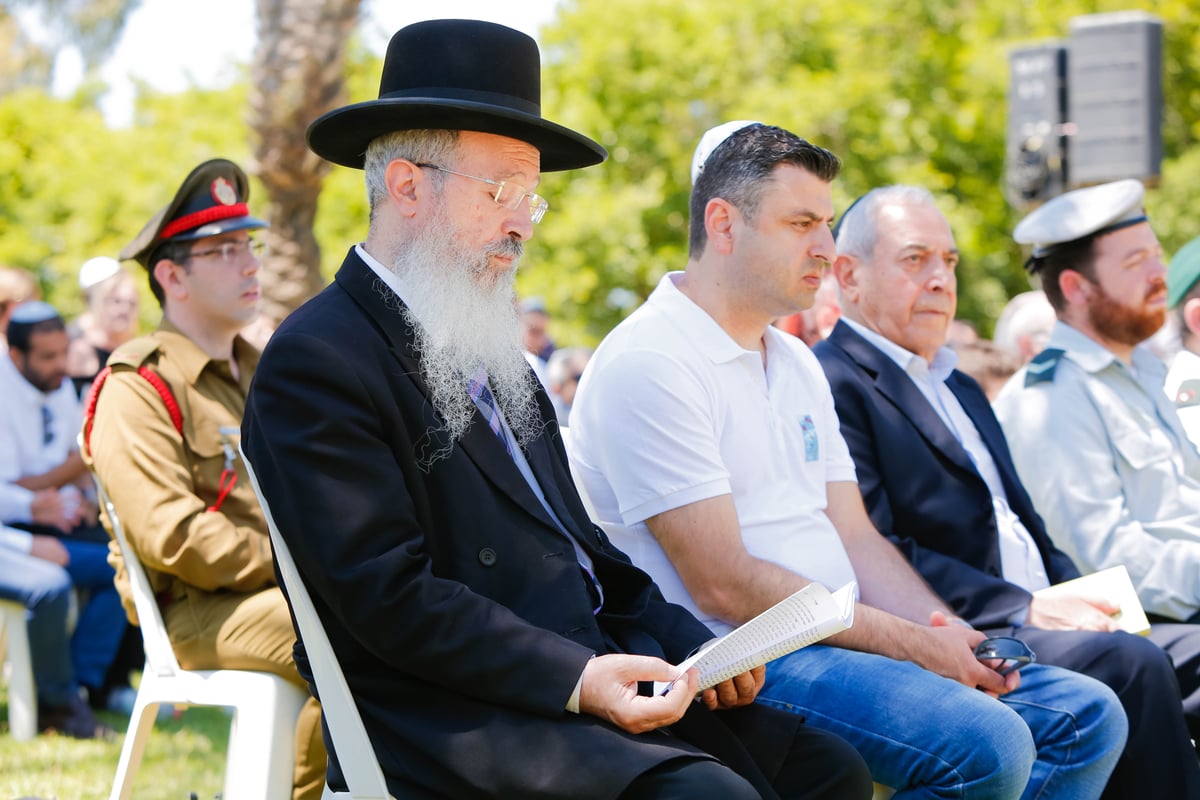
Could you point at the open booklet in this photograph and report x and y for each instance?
(805, 617)
(1112, 584)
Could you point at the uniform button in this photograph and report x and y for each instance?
(487, 556)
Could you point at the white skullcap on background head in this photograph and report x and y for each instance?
(712, 139)
(97, 269)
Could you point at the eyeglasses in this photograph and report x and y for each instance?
(1012, 653)
(508, 195)
(232, 250)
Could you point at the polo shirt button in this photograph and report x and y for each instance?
(487, 556)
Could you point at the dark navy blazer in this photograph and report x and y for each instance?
(920, 486)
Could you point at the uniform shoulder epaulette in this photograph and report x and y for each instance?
(1043, 366)
(134, 353)
(1188, 394)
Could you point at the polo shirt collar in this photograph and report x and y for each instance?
(701, 329)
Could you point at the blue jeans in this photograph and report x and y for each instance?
(44, 589)
(60, 663)
(1058, 736)
(102, 619)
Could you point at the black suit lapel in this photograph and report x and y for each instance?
(550, 476)
(975, 404)
(479, 443)
(898, 388)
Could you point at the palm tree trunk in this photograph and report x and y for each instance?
(297, 75)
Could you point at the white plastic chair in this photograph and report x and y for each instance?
(355, 755)
(18, 669)
(261, 755)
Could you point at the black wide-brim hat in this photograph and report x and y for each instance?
(455, 74)
(211, 200)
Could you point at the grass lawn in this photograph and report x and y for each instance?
(184, 754)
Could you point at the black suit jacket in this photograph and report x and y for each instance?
(919, 484)
(456, 606)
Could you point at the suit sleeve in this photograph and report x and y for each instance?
(321, 441)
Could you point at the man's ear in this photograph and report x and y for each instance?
(1191, 315)
(1075, 288)
(845, 270)
(719, 218)
(167, 273)
(407, 185)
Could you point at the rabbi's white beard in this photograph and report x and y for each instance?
(463, 314)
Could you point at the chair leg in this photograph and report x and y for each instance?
(22, 693)
(262, 744)
(141, 722)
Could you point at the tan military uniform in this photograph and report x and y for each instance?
(203, 543)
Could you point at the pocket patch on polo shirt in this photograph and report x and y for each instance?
(809, 429)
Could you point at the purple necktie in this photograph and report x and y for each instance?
(481, 395)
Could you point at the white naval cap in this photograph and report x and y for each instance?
(712, 139)
(97, 269)
(1083, 212)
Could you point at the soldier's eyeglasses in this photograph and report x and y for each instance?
(231, 251)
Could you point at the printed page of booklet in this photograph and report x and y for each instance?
(799, 620)
(1112, 584)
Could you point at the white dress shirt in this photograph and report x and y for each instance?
(1021, 562)
(37, 433)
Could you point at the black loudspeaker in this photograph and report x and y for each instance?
(1035, 156)
(1116, 98)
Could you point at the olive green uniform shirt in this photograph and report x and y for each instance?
(165, 484)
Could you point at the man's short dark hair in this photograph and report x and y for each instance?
(1078, 255)
(739, 168)
(20, 334)
(171, 251)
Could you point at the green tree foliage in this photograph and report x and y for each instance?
(72, 188)
(910, 92)
(45, 27)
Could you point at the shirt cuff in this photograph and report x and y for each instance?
(16, 503)
(573, 700)
(13, 539)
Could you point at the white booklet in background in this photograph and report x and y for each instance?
(1112, 584)
(797, 621)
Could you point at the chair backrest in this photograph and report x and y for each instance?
(355, 755)
(160, 657)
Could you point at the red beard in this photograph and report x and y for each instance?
(1128, 325)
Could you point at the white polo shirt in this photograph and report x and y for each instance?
(671, 411)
